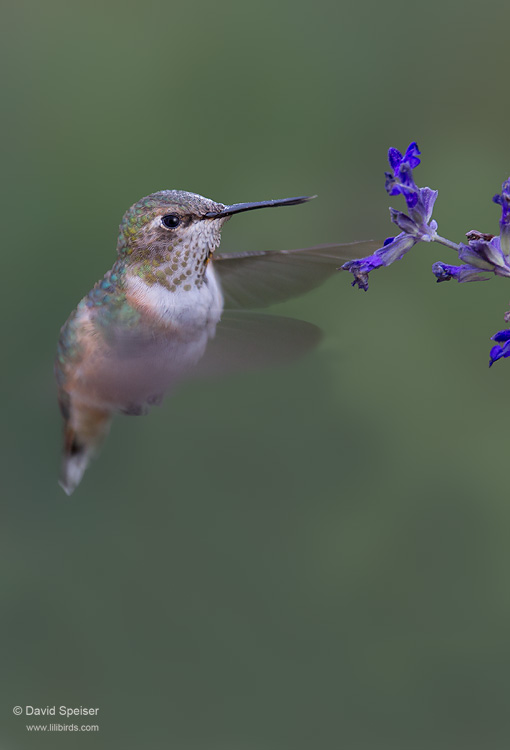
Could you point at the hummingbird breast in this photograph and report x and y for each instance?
(177, 306)
(123, 368)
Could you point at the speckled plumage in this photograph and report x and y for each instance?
(148, 254)
(157, 271)
(147, 323)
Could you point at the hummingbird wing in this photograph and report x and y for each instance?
(246, 341)
(259, 279)
(131, 369)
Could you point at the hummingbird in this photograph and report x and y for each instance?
(153, 318)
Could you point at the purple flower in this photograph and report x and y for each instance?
(485, 252)
(414, 227)
(483, 256)
(420, 201)
(401, 181)
(502, 348)
(444, 272)
(504, 224)
(393, 249)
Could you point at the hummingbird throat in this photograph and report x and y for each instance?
(178, 266)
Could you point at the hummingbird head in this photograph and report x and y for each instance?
(170, 235)
(162, 222)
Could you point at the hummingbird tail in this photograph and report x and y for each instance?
(83, 434)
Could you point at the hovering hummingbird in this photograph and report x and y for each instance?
(152, 320)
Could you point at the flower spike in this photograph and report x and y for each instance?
(504, 224)
(414, 227)
(484, 255)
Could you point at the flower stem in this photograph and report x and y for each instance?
(447, 243)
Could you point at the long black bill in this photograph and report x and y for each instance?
(237, 208)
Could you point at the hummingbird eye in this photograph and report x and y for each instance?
(170, 221)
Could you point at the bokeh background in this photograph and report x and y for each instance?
(316, 556)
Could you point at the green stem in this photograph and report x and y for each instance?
(447, 243)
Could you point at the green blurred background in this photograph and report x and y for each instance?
(313, 557)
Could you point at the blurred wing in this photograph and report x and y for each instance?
(247, 341)
(258, 279)
(138, 368)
